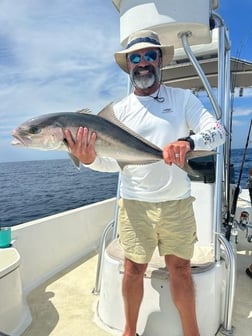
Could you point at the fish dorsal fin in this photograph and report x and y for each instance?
(108, 113)
(85, 111)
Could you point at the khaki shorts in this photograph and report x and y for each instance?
(169, 225)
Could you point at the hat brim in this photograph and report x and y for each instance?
(121, 56)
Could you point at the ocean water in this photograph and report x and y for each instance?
(36, 189)
(236, 159)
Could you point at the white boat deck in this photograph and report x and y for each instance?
(65, 305)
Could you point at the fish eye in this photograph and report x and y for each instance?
(35, 130)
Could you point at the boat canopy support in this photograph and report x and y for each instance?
(102, 246)
(229, 255)
(184, 38)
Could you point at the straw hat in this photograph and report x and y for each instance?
(141, 40)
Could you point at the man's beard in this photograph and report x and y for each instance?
(145, 81)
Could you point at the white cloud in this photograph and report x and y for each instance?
(56, 56)
(242, 112)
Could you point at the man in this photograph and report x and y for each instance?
(155, 205)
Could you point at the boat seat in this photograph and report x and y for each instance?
(158, 310)
(202, 261)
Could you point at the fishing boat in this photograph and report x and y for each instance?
(61, 275)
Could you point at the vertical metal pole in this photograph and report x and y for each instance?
(228, 124)
(114, 234)
(230, 286)
(220, 158)
(102, 246)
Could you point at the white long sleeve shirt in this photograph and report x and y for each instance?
(162, 123)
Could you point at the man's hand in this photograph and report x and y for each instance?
(175, 152)
(83, 148)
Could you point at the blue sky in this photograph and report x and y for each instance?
(57, 55)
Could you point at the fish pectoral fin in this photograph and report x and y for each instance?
(75, 161)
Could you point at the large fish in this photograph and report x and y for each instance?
(114, 139)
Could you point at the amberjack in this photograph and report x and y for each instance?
(114, 139)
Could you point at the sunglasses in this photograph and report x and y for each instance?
(149, 56)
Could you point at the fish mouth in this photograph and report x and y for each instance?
(19, 140)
